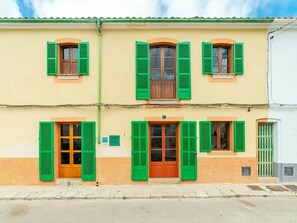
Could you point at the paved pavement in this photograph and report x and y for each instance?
(146, 191)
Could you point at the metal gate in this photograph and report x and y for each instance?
(265, 149)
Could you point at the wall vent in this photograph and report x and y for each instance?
(246, 171)
(289, 171)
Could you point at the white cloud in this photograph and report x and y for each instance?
(9, 8)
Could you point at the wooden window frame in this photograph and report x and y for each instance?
(229, 47)
(162, 58)
(218, 139)
(62, 46)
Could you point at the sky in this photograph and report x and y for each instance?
(148, 8)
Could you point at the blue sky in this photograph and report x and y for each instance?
(144, 8)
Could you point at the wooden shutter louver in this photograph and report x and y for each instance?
(184, 70)
(142, 71)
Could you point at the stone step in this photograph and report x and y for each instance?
(68, 182)
(164, 181)
(268, 180)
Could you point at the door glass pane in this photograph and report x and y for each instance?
(156, 143)
(77, 158)
(169, 63)
(156, 155)
(77, 144)
(155, 52)
(215, 51)
(224, 135)
(66, 54)
(224, 52)
(156, 130)
(155, 63)
(74, 53)
(65, 144)
(168, 52)
(169, 74)
(225, 70)
(225, 61)
(170, 130)
(170, 155)
(65, 159)
(65, 130)
(156, 74)
(76, 130)
(170, 143)
(213, 135)
(216, 61)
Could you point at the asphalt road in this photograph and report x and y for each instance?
(250, 210)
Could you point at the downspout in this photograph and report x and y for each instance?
(99, 78)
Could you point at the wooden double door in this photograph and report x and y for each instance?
(163, 147)
(70, 150)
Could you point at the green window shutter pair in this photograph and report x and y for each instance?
(188, 150)
(52, 58)
(207, 58)
(46, 151)
(143, 70)
(139, 150)
(205, 136)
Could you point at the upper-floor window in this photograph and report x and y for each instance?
(162, 77)
(163, 71)
(222, 58)
(68, 59)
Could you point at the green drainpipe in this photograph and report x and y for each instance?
(99, 79)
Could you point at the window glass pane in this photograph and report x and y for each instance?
(168, 52)
(64, 130)
(213, 135)
(76, 130)
(170, 155)
(155, 52)
(169, 74)
(215, 69)
(225, 61)
(224, 135)
(170, 130)
(216, 61)
(77, 158)
(65, 158)
(155, 63)
(156, 130)
(74, 53)
(156, 74)
(65, 53)
(169, 63)
(215, 51)
(225, 70)
(77, 144)
(156, 143)
(156, 155)
(170, 143)
(225, 51)
(64, 144)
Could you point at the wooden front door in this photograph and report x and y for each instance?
(70, 150)
(163, 150)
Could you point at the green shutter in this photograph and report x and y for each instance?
(88, 141)
(83, 58)
(183, 70)
(188, 147)
(46, 151)
(139, 150)
(238, 58)
(207, 58)
(52, 58)
(239, 136)
(142, 71)
(205, 136)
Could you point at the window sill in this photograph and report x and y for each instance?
(222, 153)
(163, 102)
(68, 77)
(223, 76)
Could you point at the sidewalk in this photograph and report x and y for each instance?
(146, 191)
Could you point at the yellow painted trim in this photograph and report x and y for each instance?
(77, 81)
(223, 119)
(211, 79)
(168, 119)
(164, 40)
(222, 41)
(68, 119)
(67, 40)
